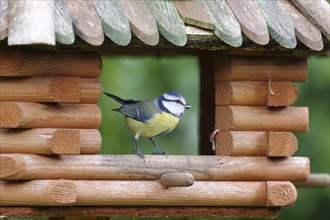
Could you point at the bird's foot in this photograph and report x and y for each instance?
(139, 153)
(159, 153)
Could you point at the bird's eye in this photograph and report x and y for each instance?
(178, 101)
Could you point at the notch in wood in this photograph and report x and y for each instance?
(176, 180)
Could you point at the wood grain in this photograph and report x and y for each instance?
(36, 115)
(170, 24)
(32, 193)
(255, 93)
(142, 22)
(279, 24)
(259, 118)
(193, 13)
(261, 69)
(146, 193)
(86, 21)
(4, 19)
(50, 141)
(317, 12)
(50, 89)
(29, 63)
(114, 21)
(137, 211)
(226, 25)
(63, 25)
(315, 180)
(252, 23)
(31, 22)
(131, 167)
(256, 143)
(306, 32)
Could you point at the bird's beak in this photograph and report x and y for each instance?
(187, 106)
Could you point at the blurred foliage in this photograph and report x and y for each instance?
(148, 77)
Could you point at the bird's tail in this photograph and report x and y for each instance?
(120, 100)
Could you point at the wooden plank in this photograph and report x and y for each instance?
(142, 22)
(226, 25)
(138, 211)
(255, 93)
(63, 25)
(146, 193)
(29, 63)
(132, 167)
(50, 89)
(280, 26)
(35, 115)
(256, 143)
(31, 22)
(193, 13)
(315, 180)
(259, 118)
(4, 19)
(252, 23)
(86, 21)
(260, 68)
(306, 32)
(114, 21)
(169, 22)
(317, 12)
(50, 141)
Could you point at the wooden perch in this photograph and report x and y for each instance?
(50, 141)
(260, 68)
(146, 193)
(32, 193)
(50, 89)
(271, 93)
(256, 143)
(35, 115)
(315, 180)
(14, 63)
(131, 167)
(138, 211)
(259, 118)
(176, 180)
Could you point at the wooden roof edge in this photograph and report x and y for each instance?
(194, 44)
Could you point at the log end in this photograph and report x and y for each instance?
(280, 193)
(176, 180)
(65, 141)
(281, 93)
(281, 144)
(11, 166)
(10, 115)
(223, 93)
(61, 192)
(224, 143)
(224, 118)
(65, 89)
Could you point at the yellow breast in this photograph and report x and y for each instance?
(161, 123)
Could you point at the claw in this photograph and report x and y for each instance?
(139, 153)
(159, 153)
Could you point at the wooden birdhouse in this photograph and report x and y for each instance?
(250, 54)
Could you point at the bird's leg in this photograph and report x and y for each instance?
(136, 150)
(158, 151)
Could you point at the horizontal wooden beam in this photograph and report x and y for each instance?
(257, 68)
(132, 167)
(254, 93)
(138, 211)
(50, 89)
(315, 180)
(27, 63)
(50, 141)
(36, 115)
(256, 143)
(259, 118)
(146, 193)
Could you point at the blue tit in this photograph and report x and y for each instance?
(153, 117)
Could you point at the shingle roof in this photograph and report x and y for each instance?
(224, 22)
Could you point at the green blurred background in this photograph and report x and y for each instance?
(148, 77)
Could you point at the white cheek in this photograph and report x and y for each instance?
(174, 108)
